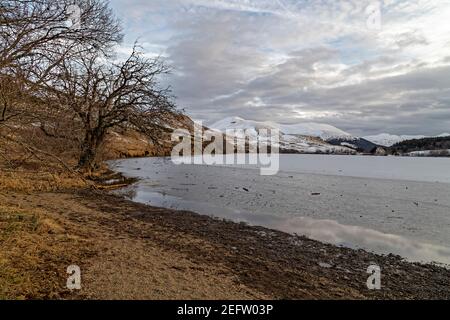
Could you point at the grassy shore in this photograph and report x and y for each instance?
(132, 251)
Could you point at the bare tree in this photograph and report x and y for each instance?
(11, 98)
(58, 78)
(36, 35)
(102, 96)
(34, 29)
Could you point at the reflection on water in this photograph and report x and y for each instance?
(322, 230)
(271, 203)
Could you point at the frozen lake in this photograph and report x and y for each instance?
(382, 204)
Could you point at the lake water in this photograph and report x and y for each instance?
(381, 204)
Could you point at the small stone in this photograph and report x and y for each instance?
(325, 265)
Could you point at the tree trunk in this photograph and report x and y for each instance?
(89, 149)
(87, 158)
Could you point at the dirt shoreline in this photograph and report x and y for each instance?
(133, 251)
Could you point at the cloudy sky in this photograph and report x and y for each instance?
(364, 66)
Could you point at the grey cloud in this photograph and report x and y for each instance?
(265, 64)
(408, 39)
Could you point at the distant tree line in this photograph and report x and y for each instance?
(439, 145)
(61, 80)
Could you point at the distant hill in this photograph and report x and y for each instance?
(130, 143)
(358, 144)
(307, 137)
(388, 140)
(425, 146)
(304, 137)
(310, 129)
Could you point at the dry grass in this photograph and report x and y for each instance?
(132, 145)
(30, 240)
(34, 245)
(44, 181)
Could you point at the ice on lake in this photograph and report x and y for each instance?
(382, 204)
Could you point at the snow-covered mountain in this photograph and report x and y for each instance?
(323, 131)
(388, 140)
(302, 137)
